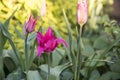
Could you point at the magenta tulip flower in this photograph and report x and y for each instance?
(29, 26)
(48, 42)
(82, 12)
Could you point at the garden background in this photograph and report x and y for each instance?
(100, 33)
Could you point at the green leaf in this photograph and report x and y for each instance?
(13, 56)
(106, 76)
(115, 76)
(8, 61)
(95, 75)
(32, 54)
(18, 33)
(57, 56)
(31, 38)
(6, 23)
(93, 61)
(8, 36)
(31, 42)
(56, 71)
(16, 75)
(101, 42)
(84, 72)
(12, 76)
(2, 43)
(115, 67)
(66, 75)
(110, 76)
(34, 75)
(88, 50)
(71, 55)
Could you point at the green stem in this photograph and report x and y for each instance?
(31, 57)
(26, 56)
(1, 58)
(1, 68)
(79, 62)
(48, 66)
(71, 56)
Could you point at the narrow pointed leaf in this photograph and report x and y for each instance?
(71, 56)
(6, 23)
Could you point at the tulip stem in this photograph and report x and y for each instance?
(78, 63)
(26, 56)
(48, 78)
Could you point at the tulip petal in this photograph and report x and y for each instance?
(30, 24)
(62, 41)
(43, 8)
(48, 34)
(40, 50)
(34, 22)
(51, 45)
(40, 38)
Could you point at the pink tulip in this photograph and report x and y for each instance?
(29, 26)
(82, 12)
(48, 42)
(43, 8)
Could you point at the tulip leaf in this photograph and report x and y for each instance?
(6, 23)
(115, 67)
(95, 75)
(12, 55)
(12, 76)
(101, 42)
(57, 56)
(16, 75)
(34, 75)
(56, 71)
(1, 51)
(18, 33)
(110, 76)
(71, 55)
(3, 41)
(31, 38)
(88, 50)
(8, 36)
(9, 63)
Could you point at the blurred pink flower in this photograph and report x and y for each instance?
(82, 12)
(29, 26)
(48, 42)
(43, 8)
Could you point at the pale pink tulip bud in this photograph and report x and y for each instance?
(82, 12)
(43, 8)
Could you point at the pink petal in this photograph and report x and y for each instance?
(40, 50)
(48, 34)
(34, 23)
(62, 41)
(31, 17)
(40, 38)
(50, 45)
(43, 8)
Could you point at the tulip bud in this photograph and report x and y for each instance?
(29, 26)
(82, 12)
(43, 8)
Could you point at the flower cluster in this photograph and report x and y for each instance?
(46, 43)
